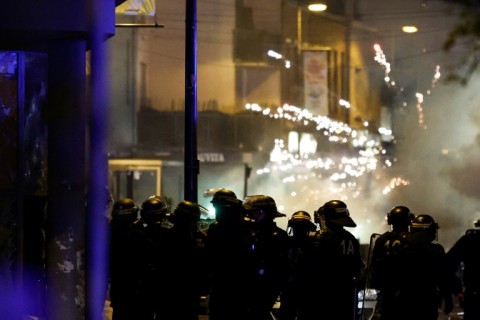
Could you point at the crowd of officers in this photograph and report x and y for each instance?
(414, 274)
(162, 264)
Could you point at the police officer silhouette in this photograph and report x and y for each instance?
(423, 283)
(465, 251)
(384, 265)
(270, 251)
(229, 254)
(331, 264)
(184, 265)
(299, 228)
(151, 232)
(124, 283)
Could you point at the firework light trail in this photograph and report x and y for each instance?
(382, 60)
(343, 176)
(369, 148)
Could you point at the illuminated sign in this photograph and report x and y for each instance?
(136, 7)
(211, 157)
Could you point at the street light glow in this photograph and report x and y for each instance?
(409, 29)
(317, 7)
(274, 54)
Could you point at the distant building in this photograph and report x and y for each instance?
(270, 52)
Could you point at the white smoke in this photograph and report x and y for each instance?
(438, 158)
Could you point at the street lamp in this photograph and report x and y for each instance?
(409, 29)
(317, 7)
(313, 7)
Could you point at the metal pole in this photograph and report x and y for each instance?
(348, 44)
(65, 232)
(246, 175)
(102, 19)
(191, 162)
(299, 30)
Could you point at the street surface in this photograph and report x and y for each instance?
(441, 316)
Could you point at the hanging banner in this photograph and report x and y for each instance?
(136, 7)
(315, 81)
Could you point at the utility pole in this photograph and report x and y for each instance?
(349, 14)
(246, 175)
(191, 162)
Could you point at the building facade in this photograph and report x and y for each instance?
(270, 53)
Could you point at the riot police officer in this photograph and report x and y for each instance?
(384, 263)
(123, 277)
(270, 251)
(184, 265)
(154, 220)
(229, 253)
(151, 233)
(465, 250)
(423, 280)
(299, 228)
(331, 264)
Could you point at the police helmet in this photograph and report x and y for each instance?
(186, 211)
(424, 223)
(400, 215)
(225, 197)
(262, 203)
(153, 209)
(124, 208)
(301, 219)
(336, 211)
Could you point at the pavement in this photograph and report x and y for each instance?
(107, 312)
(456, 314)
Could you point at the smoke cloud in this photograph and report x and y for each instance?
(439, 159)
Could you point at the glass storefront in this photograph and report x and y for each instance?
(23, 177)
